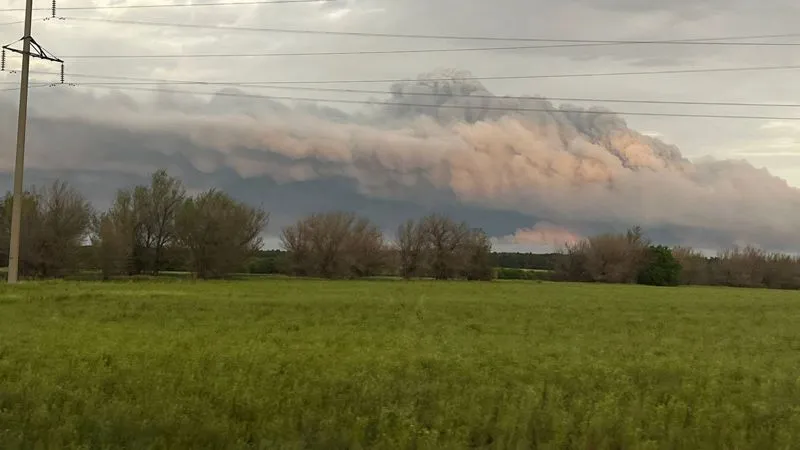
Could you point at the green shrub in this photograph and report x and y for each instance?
(506, 273)
(661, 268)
(266, 263)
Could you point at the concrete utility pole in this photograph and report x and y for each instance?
(19, 165)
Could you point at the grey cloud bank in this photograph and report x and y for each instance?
(571, 173)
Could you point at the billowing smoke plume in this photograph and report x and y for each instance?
(448, 138)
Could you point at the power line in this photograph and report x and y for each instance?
(333, 53)
(393, 51)
(715, 41)
(172, 5)
(485, 108)
(464, 96)
(339, 53)
(464, 78)
(498, 97)
(38, 85)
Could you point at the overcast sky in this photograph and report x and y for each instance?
(774, 145)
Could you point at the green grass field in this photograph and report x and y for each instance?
(290, 364)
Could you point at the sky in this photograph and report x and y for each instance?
(533, 180)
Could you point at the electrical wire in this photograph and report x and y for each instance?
(716, 41)
(334, 53)
(484, 108)
(30, 86)
(171, 5)
(393, 51)
(337, 53)
(446, 95)
(505, 97)
(126, 87)
(422, 79)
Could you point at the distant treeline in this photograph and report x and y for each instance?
(275, 262)
(631, 258)
(529, 261)
(157, 228)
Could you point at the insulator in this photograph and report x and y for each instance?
(3, 62)
(62, 73)
(54, 9)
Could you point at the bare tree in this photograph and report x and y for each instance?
(219, 232)
(329, 235)
(695, 267)
(446, 239)
(114, 236)
(66, 219)
(30, 229)
(741, 267)
(55, 223)
(412, 248)
(160, 204)
(141, 224)
(782, 272)
(477, 256)
(297, 243)
(334, 245)
(615, 258)
(440, 247)
(573, 266)
(368, 251)
(338, 244)
(608, 258)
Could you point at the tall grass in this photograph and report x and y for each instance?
(285, 364)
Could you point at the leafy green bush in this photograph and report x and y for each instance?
(506, 273)
(661, 268)
(267, 262)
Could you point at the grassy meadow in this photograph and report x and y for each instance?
(292, 364)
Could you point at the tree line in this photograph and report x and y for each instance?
(149, 229)
(146, 229)
(632, 258)
(627, 258)
(343, 245)
(507, 265)
(158, 227)
(526, 261)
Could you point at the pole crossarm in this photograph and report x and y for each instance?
(37, 51)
